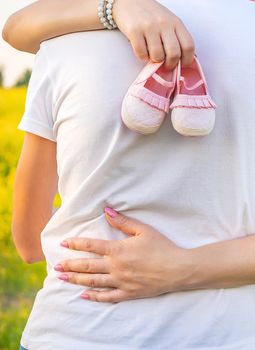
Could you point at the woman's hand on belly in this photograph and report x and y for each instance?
(154, 32)
(146, 264)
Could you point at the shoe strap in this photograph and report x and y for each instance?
(162, 81)
(193, 87)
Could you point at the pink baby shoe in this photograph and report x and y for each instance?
(147, 100)
(193, 110)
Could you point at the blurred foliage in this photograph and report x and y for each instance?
(1, 76)
(23, 80)
(19, 281)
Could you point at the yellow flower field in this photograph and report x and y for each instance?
(19, 281)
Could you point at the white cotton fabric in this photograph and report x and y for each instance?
(194, 190)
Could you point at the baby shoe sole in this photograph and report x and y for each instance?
(192, 132)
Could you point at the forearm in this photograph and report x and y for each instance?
(28, 241)
(224, 264)
(45, 19)
(35, 188)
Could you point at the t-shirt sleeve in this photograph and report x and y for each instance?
(38, 116)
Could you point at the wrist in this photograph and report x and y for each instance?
(186, 271)
(116, 3)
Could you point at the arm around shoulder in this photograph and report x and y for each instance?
(45, 19)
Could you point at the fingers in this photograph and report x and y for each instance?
(186, 44)
(100, 265)
(172, 49)
(90, 280)
(155, 46)
(139, 46)
(111, 296)
(168, 40)
(124, 223)
(98, 246)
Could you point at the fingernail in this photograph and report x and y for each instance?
(59, 268)
(111, 212)
(63, 277)
(64, 244)
(85, 296)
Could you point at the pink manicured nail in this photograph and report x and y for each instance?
(64, 244)
(85, 296)
(59, 268)
(111, 212)
(63, 277)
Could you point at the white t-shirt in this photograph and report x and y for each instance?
(194, 190)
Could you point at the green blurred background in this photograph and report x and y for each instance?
(19, 281)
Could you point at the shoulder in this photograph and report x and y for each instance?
(68, 51)
(87, 45)
(69, 44)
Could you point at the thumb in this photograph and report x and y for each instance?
(123, 222)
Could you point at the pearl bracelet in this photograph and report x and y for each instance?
(105, 13)
(101, 14)
(109, 6)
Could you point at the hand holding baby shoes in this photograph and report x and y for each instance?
(147, 101)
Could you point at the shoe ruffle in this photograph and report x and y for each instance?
(151, 98)
(182, 101)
